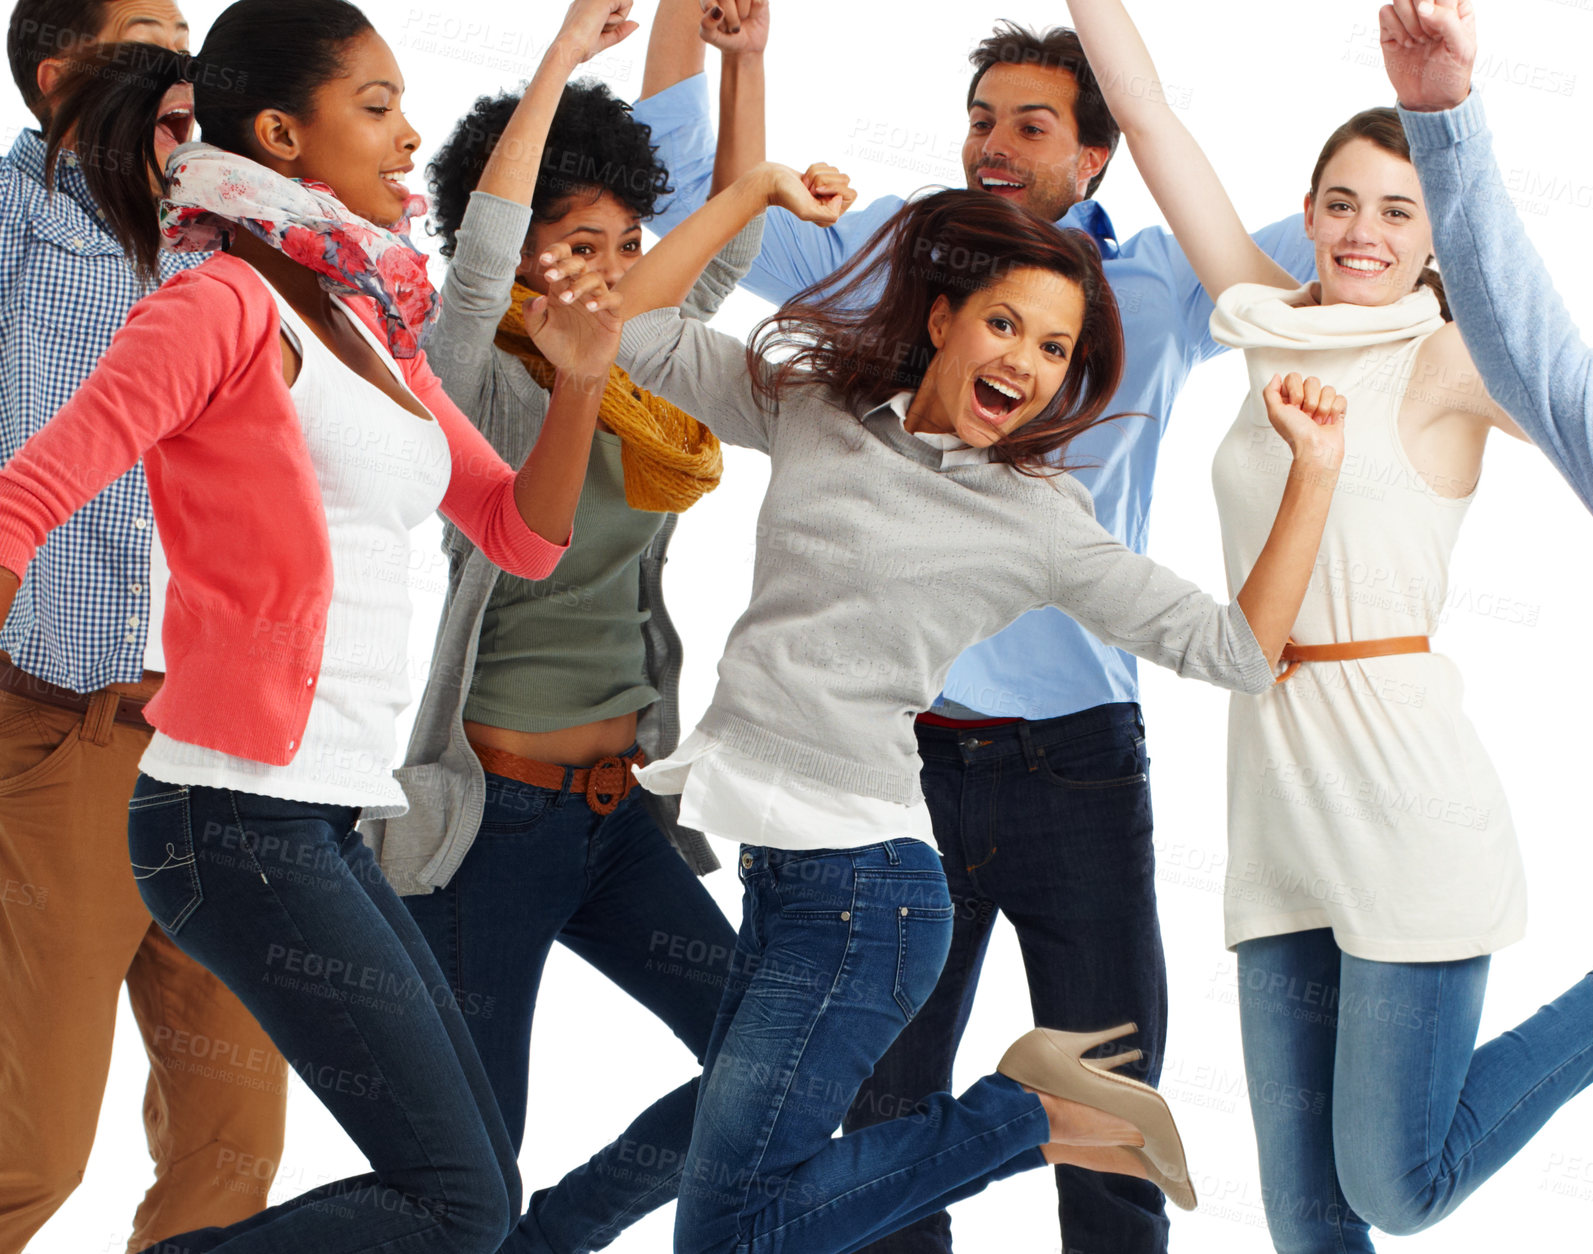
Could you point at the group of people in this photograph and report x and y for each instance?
(229, 392)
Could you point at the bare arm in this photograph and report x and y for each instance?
(741, 35)
(675, 48)
(1309, 417)
(665, 275)
(1186, 188)
(590, 27)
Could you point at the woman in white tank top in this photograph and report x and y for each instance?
(1373, 863)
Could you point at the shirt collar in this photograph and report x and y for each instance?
(1089, 217)
(27, 155)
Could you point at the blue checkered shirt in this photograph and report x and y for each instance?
(80, 617)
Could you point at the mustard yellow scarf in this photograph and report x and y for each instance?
(670, 459)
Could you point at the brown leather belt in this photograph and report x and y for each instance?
(129, 706)
(1350, 651)
(605, 783)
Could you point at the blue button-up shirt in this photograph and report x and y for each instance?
(79, 620)
(1043, 665)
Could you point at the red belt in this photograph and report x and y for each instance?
(129, 708)
(1350, 651)
(606, 783)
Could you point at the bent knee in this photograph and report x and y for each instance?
(479, 1224)
(1399, 1209)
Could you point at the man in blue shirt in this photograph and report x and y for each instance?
(1034, 756)
(81, 655)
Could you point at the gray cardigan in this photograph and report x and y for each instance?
(441, 776)
(875, 567)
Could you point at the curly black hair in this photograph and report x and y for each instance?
(594, 145)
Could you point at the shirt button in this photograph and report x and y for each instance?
(137, 588)
(130, 638)
(293, 744)
(310, 682)
(132, 620)
(140, 523)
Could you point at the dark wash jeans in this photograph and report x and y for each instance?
(837, 951)
(1049, 823)
(612, 889)
(284, 903)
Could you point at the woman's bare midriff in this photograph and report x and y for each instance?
(570, 746)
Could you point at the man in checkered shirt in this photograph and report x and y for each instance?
(82, 654)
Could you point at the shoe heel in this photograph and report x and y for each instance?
(1077, 1043)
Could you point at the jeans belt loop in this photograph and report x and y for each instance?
(892, 855)
(99, 720)
(1031, 755)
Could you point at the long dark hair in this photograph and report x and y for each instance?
(260, 54)
(594, 145)
(864, 331)
(1383, 128)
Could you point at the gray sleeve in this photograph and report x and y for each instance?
(1136, 604)
(724, 272)
(701, 370)
(475, 292)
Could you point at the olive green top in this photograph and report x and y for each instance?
(567, 650)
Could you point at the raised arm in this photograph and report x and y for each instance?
(480, 276)
(1174, 167)
(1527, 349)
(664, 276)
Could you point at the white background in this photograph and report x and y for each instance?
(878, 89)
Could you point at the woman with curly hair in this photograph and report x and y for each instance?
(523, 828)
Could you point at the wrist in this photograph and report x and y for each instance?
(1315, 465)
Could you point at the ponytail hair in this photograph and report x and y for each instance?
(1382, 128)
(260, 54)
(864, 330)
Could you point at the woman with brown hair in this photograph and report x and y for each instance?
(1375, 862)
(915, 505)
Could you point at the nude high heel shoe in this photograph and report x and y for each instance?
(1050, 1061)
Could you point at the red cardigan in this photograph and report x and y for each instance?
(193, 385)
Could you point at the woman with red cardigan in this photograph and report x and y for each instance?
(293, 434)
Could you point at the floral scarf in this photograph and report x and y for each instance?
(212, 192)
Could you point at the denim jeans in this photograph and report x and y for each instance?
(613, 890)
(284, 903)
(1048, 823)
(1371, 1102)
(837, 951)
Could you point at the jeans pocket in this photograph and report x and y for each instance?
(160, 842)
(920, 909)
(1108, 766)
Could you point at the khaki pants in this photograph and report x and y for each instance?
(72, 930)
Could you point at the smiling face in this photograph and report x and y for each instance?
(999, 358)
(1023, 141)
(1370, 226)
(600, 230)
(355, 138)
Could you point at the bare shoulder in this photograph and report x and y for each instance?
(1446, 386)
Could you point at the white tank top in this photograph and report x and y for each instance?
(1359, 795)
(382, 471)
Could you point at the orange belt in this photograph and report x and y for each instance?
(1350, 651)
(606, 783)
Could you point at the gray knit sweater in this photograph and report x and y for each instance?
(441, 776)
(874, 569)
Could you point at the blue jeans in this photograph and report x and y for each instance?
(1048, 823)
(612, 889)
(837, 951)
(1372, 1104)
(284, 903)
